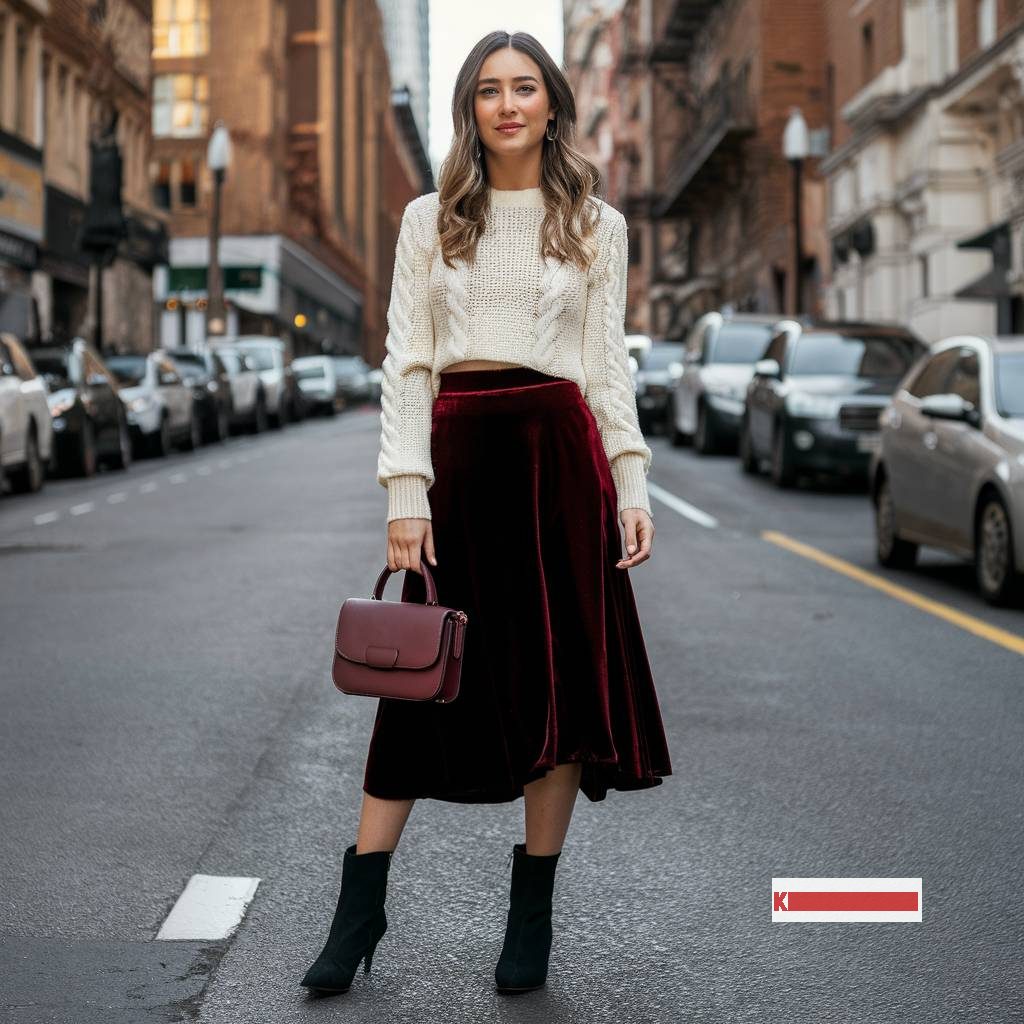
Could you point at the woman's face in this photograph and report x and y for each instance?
(510, 90)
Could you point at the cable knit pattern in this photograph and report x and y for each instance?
(513, 306)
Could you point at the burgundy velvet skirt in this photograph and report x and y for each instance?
(526, 536)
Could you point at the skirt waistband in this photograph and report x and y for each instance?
(459, 381)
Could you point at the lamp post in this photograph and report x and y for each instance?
(796, 145)
(218, 159)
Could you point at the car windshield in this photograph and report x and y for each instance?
(845, 355)
(129, 370)
(263, 358)
(1010, 383)
(662, 355)
(189, 363)
(305, 372)
(229, 357)
(53, 368)
(740, 343)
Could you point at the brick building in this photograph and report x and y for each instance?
(706, 88)
(926, 178)
(69, 67)
(325, 156)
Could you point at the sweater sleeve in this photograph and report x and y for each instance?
(609, 391)
(403, 464)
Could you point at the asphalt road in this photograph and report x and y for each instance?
(168, 710)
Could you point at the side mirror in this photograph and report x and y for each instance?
(767, 368)
(950, 407)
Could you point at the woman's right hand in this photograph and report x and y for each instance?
(407, 538)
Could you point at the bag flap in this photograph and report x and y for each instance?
(390, 634)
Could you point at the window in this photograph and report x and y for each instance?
(181, 28)
(179, 105)
(986, 13)
(867, 52)
(942, 42)
(21, 86)
(162, 185)
(931, 378)
(922, 263)
(187, 183)
(963, 381)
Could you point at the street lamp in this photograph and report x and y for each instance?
(796, 145)
(218, 159)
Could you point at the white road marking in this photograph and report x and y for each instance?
(85, 506)
(177, 478)
(46, 517)
(149, 485)
(204, 470)
(117, 496)
(684, 508)
(209, 907)
(223, 463)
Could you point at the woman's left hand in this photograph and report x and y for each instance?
(639, 537)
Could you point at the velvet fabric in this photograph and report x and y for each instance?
(526, 535)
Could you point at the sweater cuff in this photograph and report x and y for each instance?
(631, 481)
(407, 497)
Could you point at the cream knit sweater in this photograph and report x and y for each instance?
(510, 306)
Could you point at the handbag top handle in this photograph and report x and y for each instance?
(428, 579)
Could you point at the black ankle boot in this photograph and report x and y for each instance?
(523, 964)
(359, 922)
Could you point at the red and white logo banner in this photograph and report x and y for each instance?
(846, 899)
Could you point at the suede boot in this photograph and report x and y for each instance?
(359, 922)
(523, 964)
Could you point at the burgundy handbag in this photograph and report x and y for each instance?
(400, 649)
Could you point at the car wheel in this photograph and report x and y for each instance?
(194, 438)
(783, 474)
(122, 459)
(259, 416)
(160, 442)
(891, 550)
(223, 424)
(28, 477)
(704, 439)
(993, 554)
(85, 461)
(748, 462)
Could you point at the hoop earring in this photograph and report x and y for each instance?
(551, 138)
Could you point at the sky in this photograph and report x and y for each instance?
(455, 25)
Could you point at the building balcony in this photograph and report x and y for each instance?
(713, 145)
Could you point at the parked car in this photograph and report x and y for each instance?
(375, 378)
(90, 422)
(949, 471)
(706, 405)
(161, 409)
(657, 372)
(269, 356)
(353, 373)
(318, 380)
(227, 392)
(814, 400)
(26, 433)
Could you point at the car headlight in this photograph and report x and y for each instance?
(820, 406)
(211, 385)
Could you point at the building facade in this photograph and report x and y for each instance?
(70, 71)
(323, 162)
(926, 181)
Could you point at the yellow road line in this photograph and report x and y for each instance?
(1011, 641)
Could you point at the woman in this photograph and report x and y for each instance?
(509, 423)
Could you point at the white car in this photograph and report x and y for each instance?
(269, 357)
(161, 409)
(317, 379)
(26, 426)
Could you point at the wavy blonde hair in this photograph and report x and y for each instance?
(567, 178)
